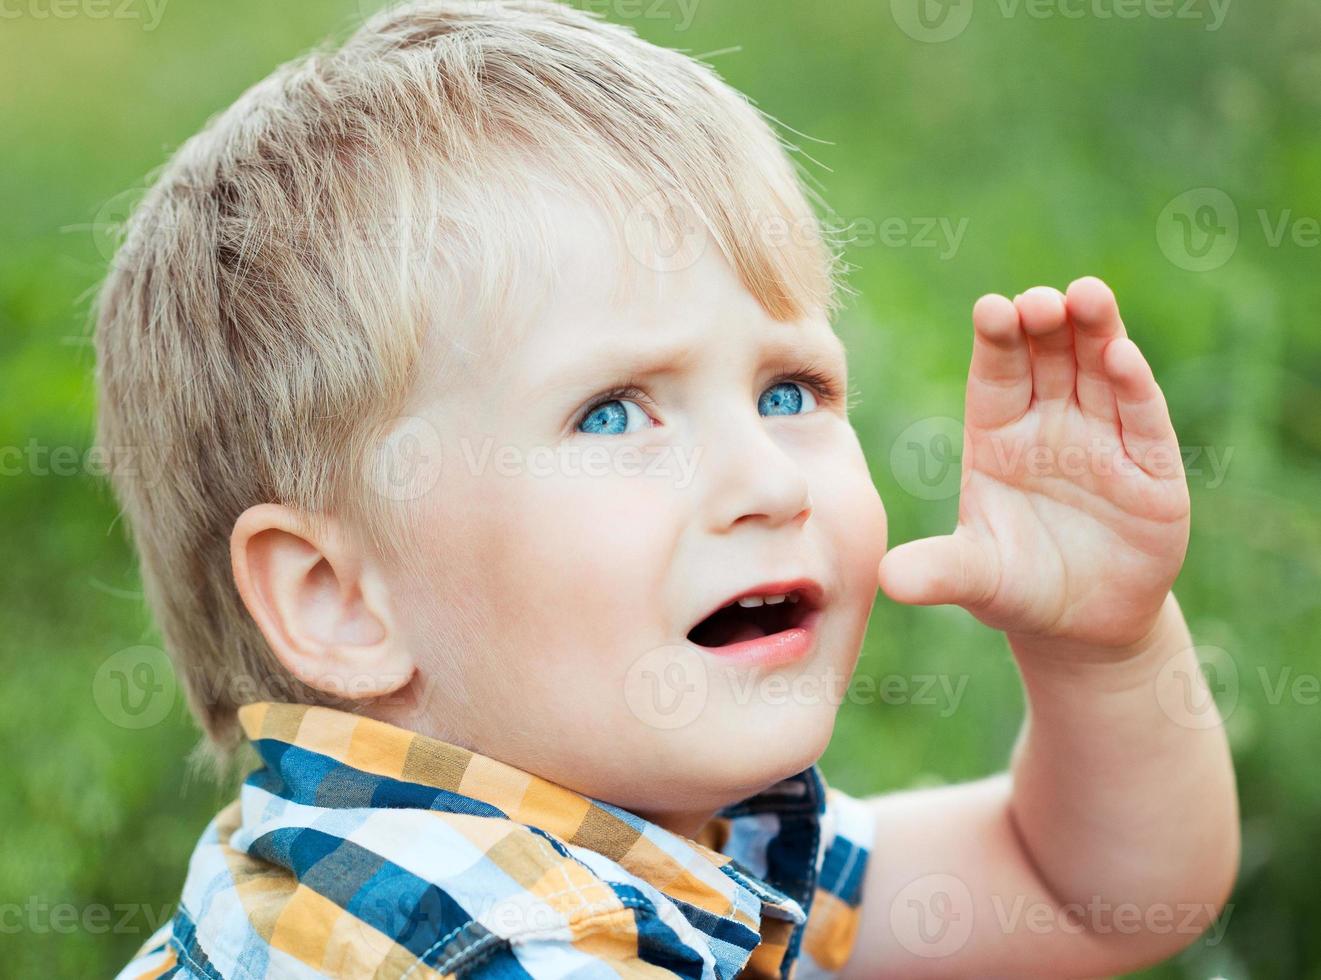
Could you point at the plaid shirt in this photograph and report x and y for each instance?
(361, 849)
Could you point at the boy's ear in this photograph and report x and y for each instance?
(323, 609)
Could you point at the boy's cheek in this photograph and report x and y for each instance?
(871, 545)
(849, 503)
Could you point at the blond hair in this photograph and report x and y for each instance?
(258, 328)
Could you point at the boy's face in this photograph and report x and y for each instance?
(579, 548)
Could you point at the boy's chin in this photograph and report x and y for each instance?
(744, 748)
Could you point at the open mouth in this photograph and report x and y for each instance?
(752, 617)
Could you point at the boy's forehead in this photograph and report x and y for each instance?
(611, 306)
(626, 262)
(594, 286)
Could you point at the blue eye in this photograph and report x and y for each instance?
(617, 412)
(786, 398)
(611, 418)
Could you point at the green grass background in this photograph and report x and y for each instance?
(1059, 140)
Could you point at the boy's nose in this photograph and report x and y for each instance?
(747, 475)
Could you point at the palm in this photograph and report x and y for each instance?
(1073, 514)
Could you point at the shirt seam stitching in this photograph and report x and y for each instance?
(482, 948)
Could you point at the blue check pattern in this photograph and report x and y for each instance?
(361, 849)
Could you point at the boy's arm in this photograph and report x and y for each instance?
(1113, 841)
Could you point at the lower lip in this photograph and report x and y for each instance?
(777, 649)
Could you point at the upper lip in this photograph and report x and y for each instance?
(809, 589)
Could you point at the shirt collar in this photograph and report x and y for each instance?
(728, 869)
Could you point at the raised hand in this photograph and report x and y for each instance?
(1073, 510)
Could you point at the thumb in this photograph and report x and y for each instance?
(948, 569)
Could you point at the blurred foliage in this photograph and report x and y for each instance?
(1055, 142)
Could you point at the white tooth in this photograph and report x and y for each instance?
(775, 600)
(793, 596)
(749, 601)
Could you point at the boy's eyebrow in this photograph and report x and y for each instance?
(631, 361)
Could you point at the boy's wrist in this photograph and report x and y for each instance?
(1117, 667)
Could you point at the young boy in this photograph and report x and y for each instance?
(507, 450)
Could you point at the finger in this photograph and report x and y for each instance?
(1000, 379)
(1144, 416)
(1096, 321)
(1050, 342)
(951, 568)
